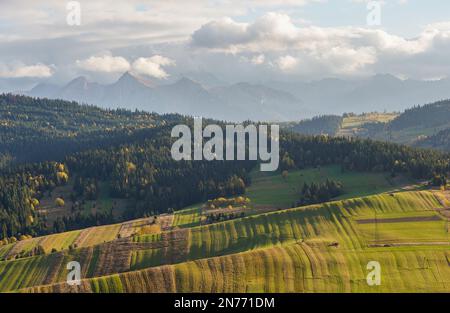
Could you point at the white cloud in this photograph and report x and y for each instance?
(286, 63)
(200, 36)
(221, 33)
(227, 34)
(104, 63)
(328, 50)
(115, 22)
(277, 32)
(348, 61)
(20, 70)
(152, 66)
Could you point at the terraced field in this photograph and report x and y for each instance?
(4, 250)
(291, 268)
(330, 222)
(188, 217)
(315, 248)
(96, 235)
(59, 241)
(88, 237)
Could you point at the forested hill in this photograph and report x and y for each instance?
(409, 127)
(441, 141)
(33, 129)
(325, 125)
(427, 116)
(144, 173)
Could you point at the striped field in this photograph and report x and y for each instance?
(188, 217)
(290, 268)
(318, 248)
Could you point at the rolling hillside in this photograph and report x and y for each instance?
(274, 190)
(423, 125)
(319, 248)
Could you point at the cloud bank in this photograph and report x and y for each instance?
(22, 71)
(235, 40)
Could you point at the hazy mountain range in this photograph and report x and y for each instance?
(379, 93)
(236, 102)
(201, 94)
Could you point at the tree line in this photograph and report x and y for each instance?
(320, 192)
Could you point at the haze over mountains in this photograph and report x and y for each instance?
(236, 102)
(201, 94)
(382, 92)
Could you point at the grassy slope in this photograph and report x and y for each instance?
(243, 244)
(81, 238)
(289, 251)
(328, 222)
(354, 125)
(188, 217)
(4, 250)
(290, 268)
(105, 203)
(410, 232)
(360, 120)
(96, 235)
(271, 189)
(59, 241)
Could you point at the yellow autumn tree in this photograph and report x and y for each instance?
(30, 219)
(59, 202)
(131, 167)
(62, 177)
(34, 202)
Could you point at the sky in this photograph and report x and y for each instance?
(255, 40)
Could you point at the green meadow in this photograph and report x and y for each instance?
(333, 222)
(289, 268)
(317, 248)
(271, 189)
(405, 232)
(187, 217)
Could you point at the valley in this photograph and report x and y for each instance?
(137, 221)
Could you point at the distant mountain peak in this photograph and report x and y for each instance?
(187, 83)
(385, 77)
(79, 82)
(133, 78)
(79, 79)
(128, 76)
(44, 90)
